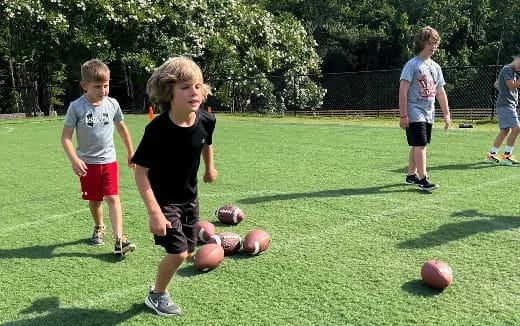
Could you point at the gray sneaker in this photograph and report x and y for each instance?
(162, 304)
(98, 236)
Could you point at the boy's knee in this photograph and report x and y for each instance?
(112, 199)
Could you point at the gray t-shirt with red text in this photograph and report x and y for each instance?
(425, 77)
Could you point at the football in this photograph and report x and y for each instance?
(209, 257)
(436, 274)
(229, 241)
(204, 230)
(229, 214)
(256, 242)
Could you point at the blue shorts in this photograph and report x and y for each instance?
(507, 118)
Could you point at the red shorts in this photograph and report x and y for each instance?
(101, 180)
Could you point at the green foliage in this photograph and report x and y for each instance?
(227, 38)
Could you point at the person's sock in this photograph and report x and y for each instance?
(493, 150)
(508, 150)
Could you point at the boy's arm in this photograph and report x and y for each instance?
(443, 102)
(78, 166)
(123, 132)
(404, 85)
(157, 221)
(495, 84)
(210, 174)
(512, 85)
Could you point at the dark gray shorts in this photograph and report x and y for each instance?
(419, 133)
(182, 236)
(507, 118)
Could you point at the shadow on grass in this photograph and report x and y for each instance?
(460, 167)
(455, 231)
(189, 271)
(47, 252)
(391, 188)
(52, 314)
(417, 287)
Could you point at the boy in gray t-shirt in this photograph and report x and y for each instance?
(507, 101)
(94, 115)
(421, 83)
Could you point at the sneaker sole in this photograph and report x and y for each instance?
(428, 189)
(150, 305)
(410, 183)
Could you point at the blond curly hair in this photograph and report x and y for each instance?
(177, 69)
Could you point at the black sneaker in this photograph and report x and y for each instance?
(426, 185)
(122, 246)
(162, 304)
(411, 180)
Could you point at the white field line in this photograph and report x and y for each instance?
(40, 221)
(7, 130)
(288, 244)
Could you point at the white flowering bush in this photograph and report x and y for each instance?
(228, 38)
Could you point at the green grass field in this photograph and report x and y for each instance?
(348, 238)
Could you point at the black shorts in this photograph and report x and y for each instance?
(419, 133)
(182, 236)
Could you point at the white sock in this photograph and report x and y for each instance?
(509, 149)
(493, 150)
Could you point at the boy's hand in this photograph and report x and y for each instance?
(129, 162)
(80, 168)
(159, 224)
(403, 122)
(447, 122)
(210, 175)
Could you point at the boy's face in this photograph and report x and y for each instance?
(516, 64)
(96, 91)
(430, 47)
(187, 96)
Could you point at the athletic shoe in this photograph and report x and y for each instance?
(509, 160)
(98, 236)
(426, 185)
(122, 245)
(491, 158)
(411, 180)
(162, 304)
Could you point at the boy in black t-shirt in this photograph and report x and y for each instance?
(167, 161)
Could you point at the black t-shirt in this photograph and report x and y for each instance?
(172, 154)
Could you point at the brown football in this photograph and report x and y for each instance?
(229, 214)
(436, 274)
(256, 242)
(229, 241)
(204, 230)
(209, 257)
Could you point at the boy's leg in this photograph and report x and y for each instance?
(412, 166)
(167, 267)
(116, 215)
(158, 297)
(98, 235)
(96, 209)
(419, 154)
(512, 136)
(500, 138)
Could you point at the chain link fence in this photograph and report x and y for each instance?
(372, 93)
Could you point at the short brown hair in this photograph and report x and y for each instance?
(95, 70)
(424, 35)
(177, 69)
